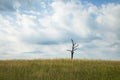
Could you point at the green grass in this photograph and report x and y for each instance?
(59, 70)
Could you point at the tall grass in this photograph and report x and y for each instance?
(59, 70)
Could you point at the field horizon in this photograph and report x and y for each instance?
(59, 69)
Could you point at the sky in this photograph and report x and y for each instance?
(42, 29)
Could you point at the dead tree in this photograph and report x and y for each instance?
(74, 48)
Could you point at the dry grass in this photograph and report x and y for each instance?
(59, 69)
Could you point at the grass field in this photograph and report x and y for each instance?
(59, 70)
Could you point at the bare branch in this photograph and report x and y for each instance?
(69, 50)
(76, 45)
(73, 48)
(72, 41)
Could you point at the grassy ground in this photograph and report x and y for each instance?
(59, 70)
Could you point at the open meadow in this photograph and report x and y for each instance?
(59, 69)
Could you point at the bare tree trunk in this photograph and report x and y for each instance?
(72, 55)
(74, 47)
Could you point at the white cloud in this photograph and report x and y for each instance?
(50, 34)
(43, 5)
(70, 17)
(109, 17)
(16, 5)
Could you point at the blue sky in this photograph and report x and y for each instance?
(35, 29)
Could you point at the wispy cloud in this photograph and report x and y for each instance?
(46, 27)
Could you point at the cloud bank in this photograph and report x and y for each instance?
(42, 29)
